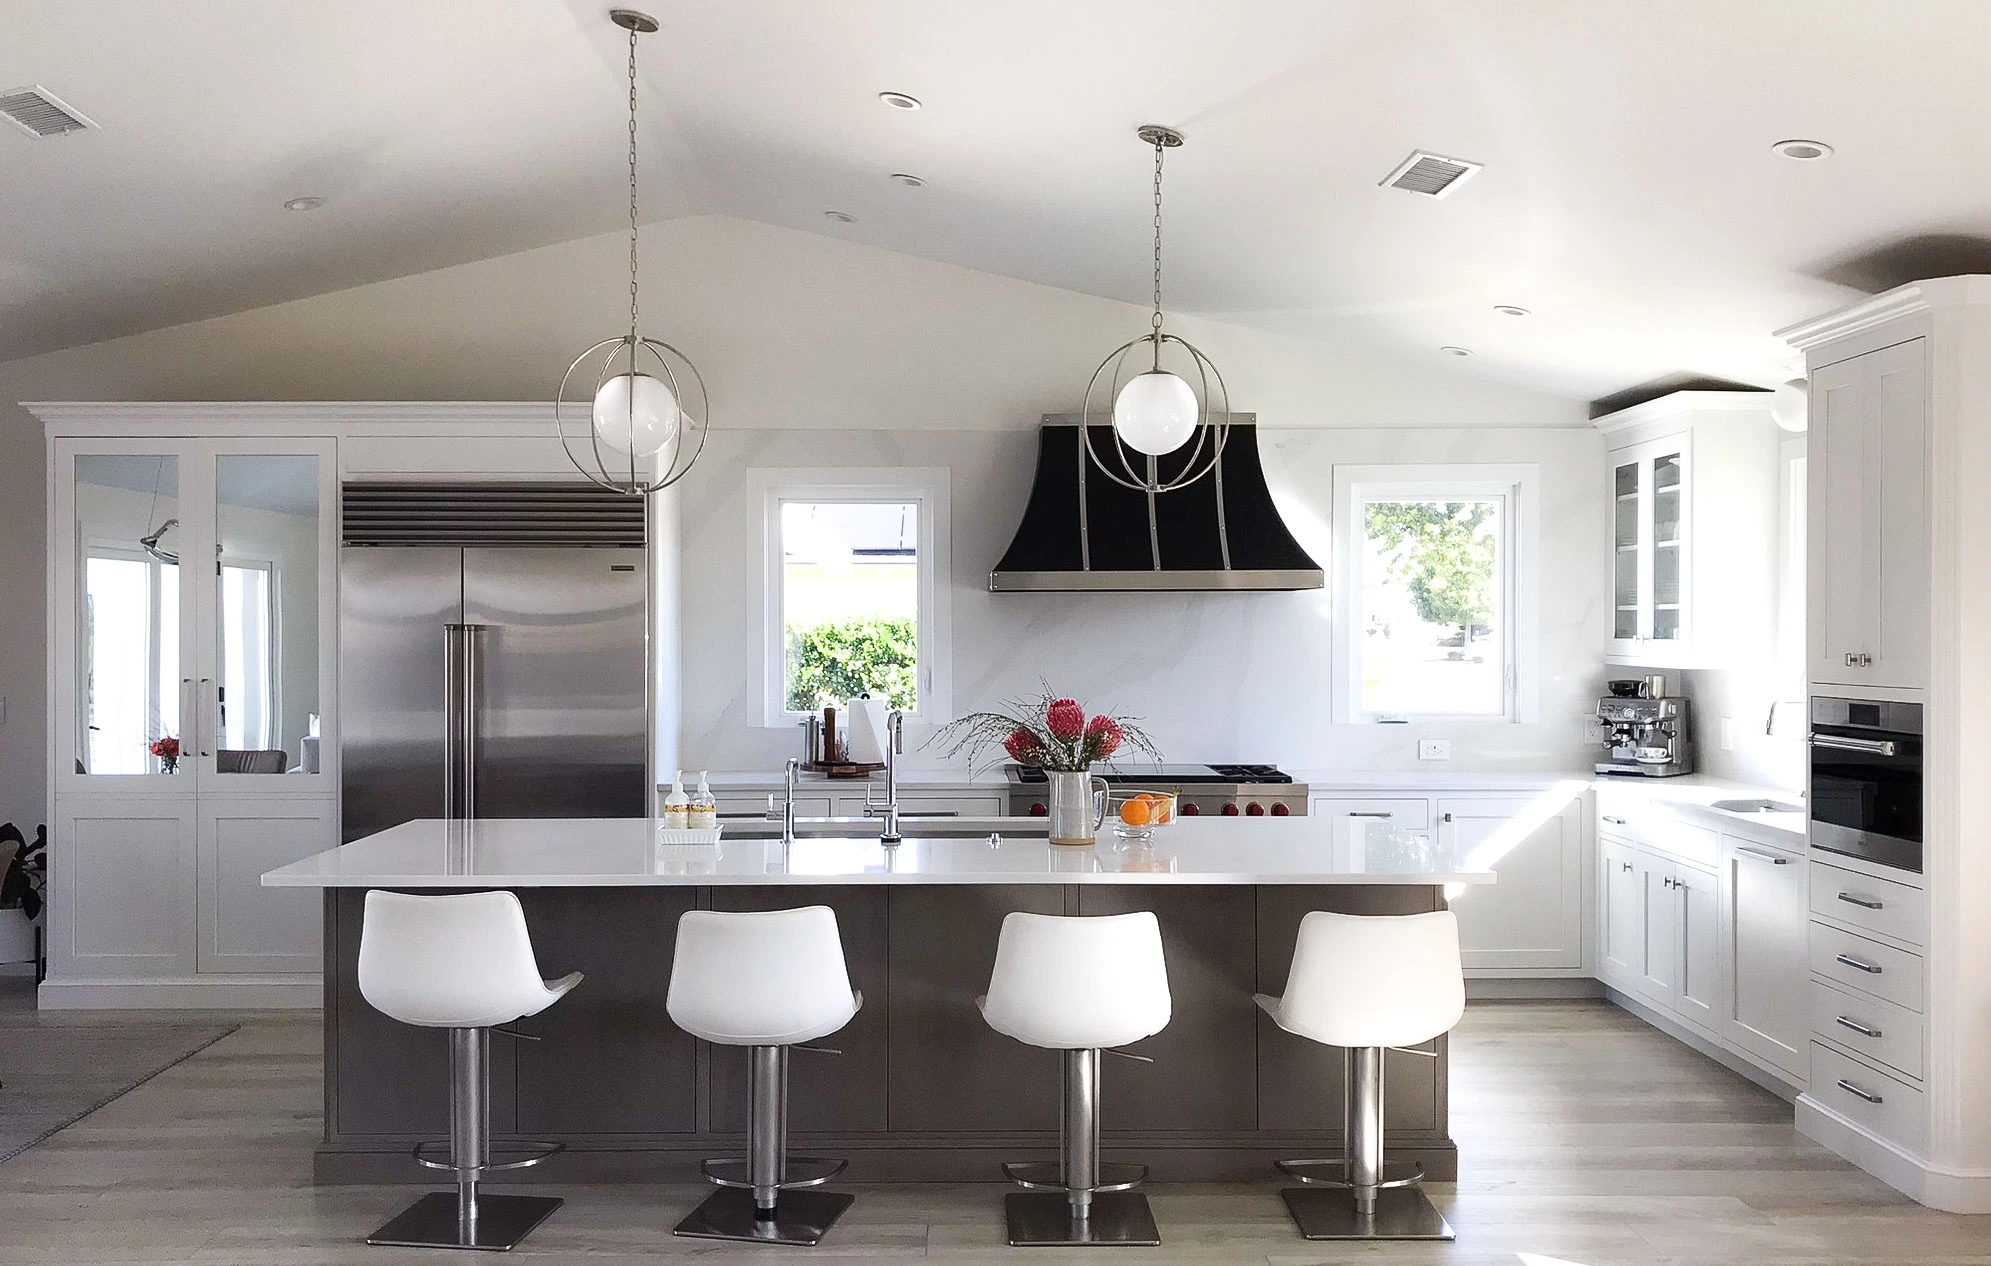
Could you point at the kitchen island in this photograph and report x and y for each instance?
(923, 1089)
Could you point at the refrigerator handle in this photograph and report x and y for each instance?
(459, 775)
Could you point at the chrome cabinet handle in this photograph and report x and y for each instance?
(1763, 855)
(1365, 813)
(1841, 743)
(1863, 904)
(1850, 1088)
(1847, 1022)
(1624, 865)
(1859, 964)
(1615, 821)
(209, 712)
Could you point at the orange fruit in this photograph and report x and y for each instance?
(1137, 812)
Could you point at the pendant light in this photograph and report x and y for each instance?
(1155, 410)
(641, 425)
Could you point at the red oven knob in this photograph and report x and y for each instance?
(1230, 810)
(1038, 809)
(1190, 811)
(1254, 810)
(1281, 811)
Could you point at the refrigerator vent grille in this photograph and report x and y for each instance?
(544, 514)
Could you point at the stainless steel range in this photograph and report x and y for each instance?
(1230, 790)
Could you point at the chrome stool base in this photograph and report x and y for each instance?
(1044, 1220)
(1401, 1213)
(800, 1217)
(431, 1222)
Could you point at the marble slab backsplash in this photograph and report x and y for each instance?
(1214, 676)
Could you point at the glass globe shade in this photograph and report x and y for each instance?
(1790, 406)
(640, 430)
(1155, 413)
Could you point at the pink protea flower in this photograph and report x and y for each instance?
(1022, 746)
(1065, 720)
(1102, 736)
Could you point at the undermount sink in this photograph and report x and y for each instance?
(1757, 806)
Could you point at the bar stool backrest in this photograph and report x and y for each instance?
(461, 960)
(1075, 983)
(1374, 980)
(760, 977)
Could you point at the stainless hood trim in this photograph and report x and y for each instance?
(1154, 581)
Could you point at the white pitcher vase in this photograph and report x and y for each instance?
(1077, 805)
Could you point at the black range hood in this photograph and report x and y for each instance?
(1084, 531)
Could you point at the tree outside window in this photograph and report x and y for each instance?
(850, 602)
(1432, 637)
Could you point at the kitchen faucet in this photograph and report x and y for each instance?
(789, 775)
(895, 743)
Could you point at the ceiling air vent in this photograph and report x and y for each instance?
(1432, 175)
(37, 110)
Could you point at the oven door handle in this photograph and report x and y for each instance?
(1875, 747)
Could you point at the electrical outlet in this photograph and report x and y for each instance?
(1728, 734)
(1434, 749)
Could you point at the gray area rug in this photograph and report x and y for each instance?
(52, 1075)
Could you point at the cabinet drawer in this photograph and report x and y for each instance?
(1412, 815)
(752, 806)
(1853, 1020)
(1874, 905)
(1660, 830)
(1849, 1088)
(1867, 966)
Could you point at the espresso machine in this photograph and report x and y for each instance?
(1649, 734)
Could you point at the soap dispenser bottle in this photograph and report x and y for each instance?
(677, 805)
(704, 807)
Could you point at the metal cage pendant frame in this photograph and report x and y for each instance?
(627, 473)
(1213, 424)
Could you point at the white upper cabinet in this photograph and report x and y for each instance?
(194, 599)
(1869, 522)
(1693, 479)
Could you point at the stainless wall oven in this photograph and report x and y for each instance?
(1866, 780)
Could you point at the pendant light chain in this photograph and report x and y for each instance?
(632, 185)
(1156, 322)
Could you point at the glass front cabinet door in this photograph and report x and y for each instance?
(1650, 610)
(193, 599)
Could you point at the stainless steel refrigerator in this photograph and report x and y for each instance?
(492, 680)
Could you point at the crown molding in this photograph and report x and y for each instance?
(1891, 305)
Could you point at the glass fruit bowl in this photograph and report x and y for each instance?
(1138, 814)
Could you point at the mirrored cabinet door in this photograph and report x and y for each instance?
(264, 680)
(125, 624)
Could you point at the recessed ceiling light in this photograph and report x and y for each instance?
(304, 204)
(1803, 151)
(1456, 351)
(907, 179)
(840, 217)
(899, 100)
(1508, 309)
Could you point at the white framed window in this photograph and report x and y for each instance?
(1435, 593)
(854, 597)
(131, 658)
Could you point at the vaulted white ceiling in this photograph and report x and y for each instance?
(1630, 197)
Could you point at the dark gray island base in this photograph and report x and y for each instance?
(924, 1090)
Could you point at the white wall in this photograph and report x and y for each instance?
(1242, 676)
(794, 332)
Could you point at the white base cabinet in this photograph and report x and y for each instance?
(1531, 919)
(1708, 927)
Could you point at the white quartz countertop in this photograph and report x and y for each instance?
(625, 853)
(1698, 794)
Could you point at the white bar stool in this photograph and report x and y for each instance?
(1078, 985)
(462, 963)
(1368, 983)
(766, 980)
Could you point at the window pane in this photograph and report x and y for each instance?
(128, 630)
(266, 523)
(1432, 628)
(850, 601)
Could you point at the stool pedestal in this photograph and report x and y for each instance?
(469, 1219)
(1084, 1201)
(1363, 1204)
(764, 1198)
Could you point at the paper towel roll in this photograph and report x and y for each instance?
(867, 730)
